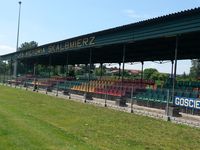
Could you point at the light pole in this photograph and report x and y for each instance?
(18, 25)
(15, 64)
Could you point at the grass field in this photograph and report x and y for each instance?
(34, 121)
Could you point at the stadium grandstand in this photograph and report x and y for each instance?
(172, 37)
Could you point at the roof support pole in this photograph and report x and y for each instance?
(54, 70)
(15, 68)
(1, 73)
(122, 101)
(101, 66)
(172, 69)
(11, 67)
(119, 70)
(175, 68)
(26, 73)
(90, 64)
(86, 70)
(4, 75)
(34, 73)
(87, 95)
(123, 65)
(34, 69)
(49, 66)
(142, 71)
(26, 67)
(67, 61)
(62, 70)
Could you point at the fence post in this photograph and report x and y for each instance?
(46, 89)
(4, 76)
(15, 82)
(69, 87)
(192, 111)
(26, 85)
(34, 86)
(21, 84)
(65, 86)
(0, 78)
(57, 89)
(37, 86)
(132, 100)
(167, 109)
(10, 83)
(85, 94)
(106, 95)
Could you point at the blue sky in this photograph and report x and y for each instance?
(47, 21)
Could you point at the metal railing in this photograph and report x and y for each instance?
(105, 90)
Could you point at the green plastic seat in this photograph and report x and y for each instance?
(186, 94)
(194, 94)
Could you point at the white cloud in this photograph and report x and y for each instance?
(5, 49)
(134, 15)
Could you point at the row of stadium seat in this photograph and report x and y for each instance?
(109, 87)
(183, 85)
(102, 86)
(151, 97)
(160, 95)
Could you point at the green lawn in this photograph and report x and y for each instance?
(34, 121)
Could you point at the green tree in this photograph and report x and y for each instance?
(184, 75)
(155, 76)
(126, 73)
(195, 68)
(149, 72)
(163, 76)
(28, 45)
(97, 71)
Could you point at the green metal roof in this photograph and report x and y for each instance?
(152, 39)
